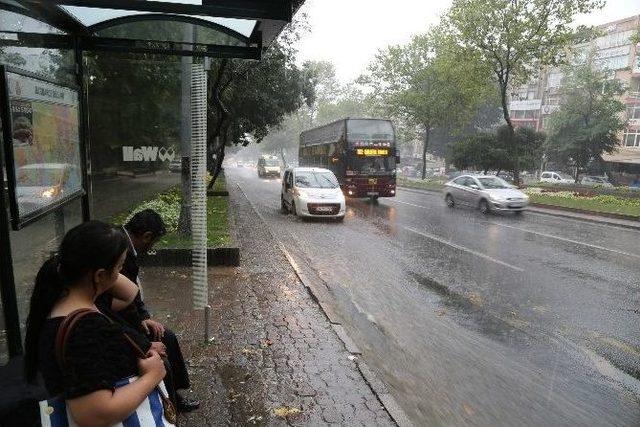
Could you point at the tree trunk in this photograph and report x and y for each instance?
(504, 86)
(427, 130)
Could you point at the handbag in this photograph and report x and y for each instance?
(156, 410)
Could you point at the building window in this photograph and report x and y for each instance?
(632, 138)
(613, 63)
(633, 112)
(614, 39)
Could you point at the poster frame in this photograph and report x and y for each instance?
(17, 221)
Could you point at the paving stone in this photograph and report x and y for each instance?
(239, 376)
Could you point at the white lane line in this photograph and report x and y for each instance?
(410, 204)
(564, 239)
(462, 248)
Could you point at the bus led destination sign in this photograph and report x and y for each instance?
(371, 152)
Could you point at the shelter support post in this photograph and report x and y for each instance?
(7, 280)
(84, 130)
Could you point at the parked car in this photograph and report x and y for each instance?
(39, 184)
(601, 181)
(556, 178)
(488, 193)
(312, 192)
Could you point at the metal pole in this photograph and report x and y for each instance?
(83, 113)
(7, 280)
(207, 323)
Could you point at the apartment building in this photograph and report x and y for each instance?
(532, 104)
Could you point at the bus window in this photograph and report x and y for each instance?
(359, 131)
(374, 165)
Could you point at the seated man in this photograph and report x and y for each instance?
(143, 229)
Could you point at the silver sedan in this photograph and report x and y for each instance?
(485, 192)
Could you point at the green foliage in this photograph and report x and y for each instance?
(589, 119)
(511, 38)
(166, 204)
(331, 101)
(260, 99)
(425, 83)
(498, 151)
(599, 203)
(11, 58)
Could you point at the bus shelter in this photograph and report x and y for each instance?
(188, 28)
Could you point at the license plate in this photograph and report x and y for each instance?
(324, 209)
(372, 193)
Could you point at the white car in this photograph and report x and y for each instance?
(596, 181)
(312, 192)
(556, 178)
(40, 184)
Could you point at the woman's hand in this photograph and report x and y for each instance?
(159, 347)
(153, 328)
(152, 366)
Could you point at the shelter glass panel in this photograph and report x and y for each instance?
(171, 31)
(135, 124)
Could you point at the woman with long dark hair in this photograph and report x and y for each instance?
(96, 353)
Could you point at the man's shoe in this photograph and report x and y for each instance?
(187, 404)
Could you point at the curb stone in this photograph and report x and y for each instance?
(377, 387)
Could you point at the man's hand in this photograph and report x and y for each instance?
(153, 328)
(159, 348)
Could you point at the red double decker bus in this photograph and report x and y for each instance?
(360, 152)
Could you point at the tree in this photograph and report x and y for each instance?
(589, 119)
(247, 101)
(514, 37)
(495, 151)
(426, 83)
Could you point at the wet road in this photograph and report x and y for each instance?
(479, 320)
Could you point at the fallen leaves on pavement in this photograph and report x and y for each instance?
(286, 411)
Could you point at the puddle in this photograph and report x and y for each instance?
(469, 312)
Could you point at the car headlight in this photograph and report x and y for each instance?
(48, 193)
(302, 193)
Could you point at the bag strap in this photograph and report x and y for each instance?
(65, 329)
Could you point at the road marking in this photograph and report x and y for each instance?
(410, 204)
(564, 239)
(462, 248)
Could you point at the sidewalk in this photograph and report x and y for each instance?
(275, 359)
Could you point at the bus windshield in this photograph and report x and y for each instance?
(360, 131)
(316, 180)
(374, 165)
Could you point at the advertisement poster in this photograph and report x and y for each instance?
(45, 143)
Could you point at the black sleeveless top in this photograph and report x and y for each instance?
(96, 355)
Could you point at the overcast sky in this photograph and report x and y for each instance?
(350, 32)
